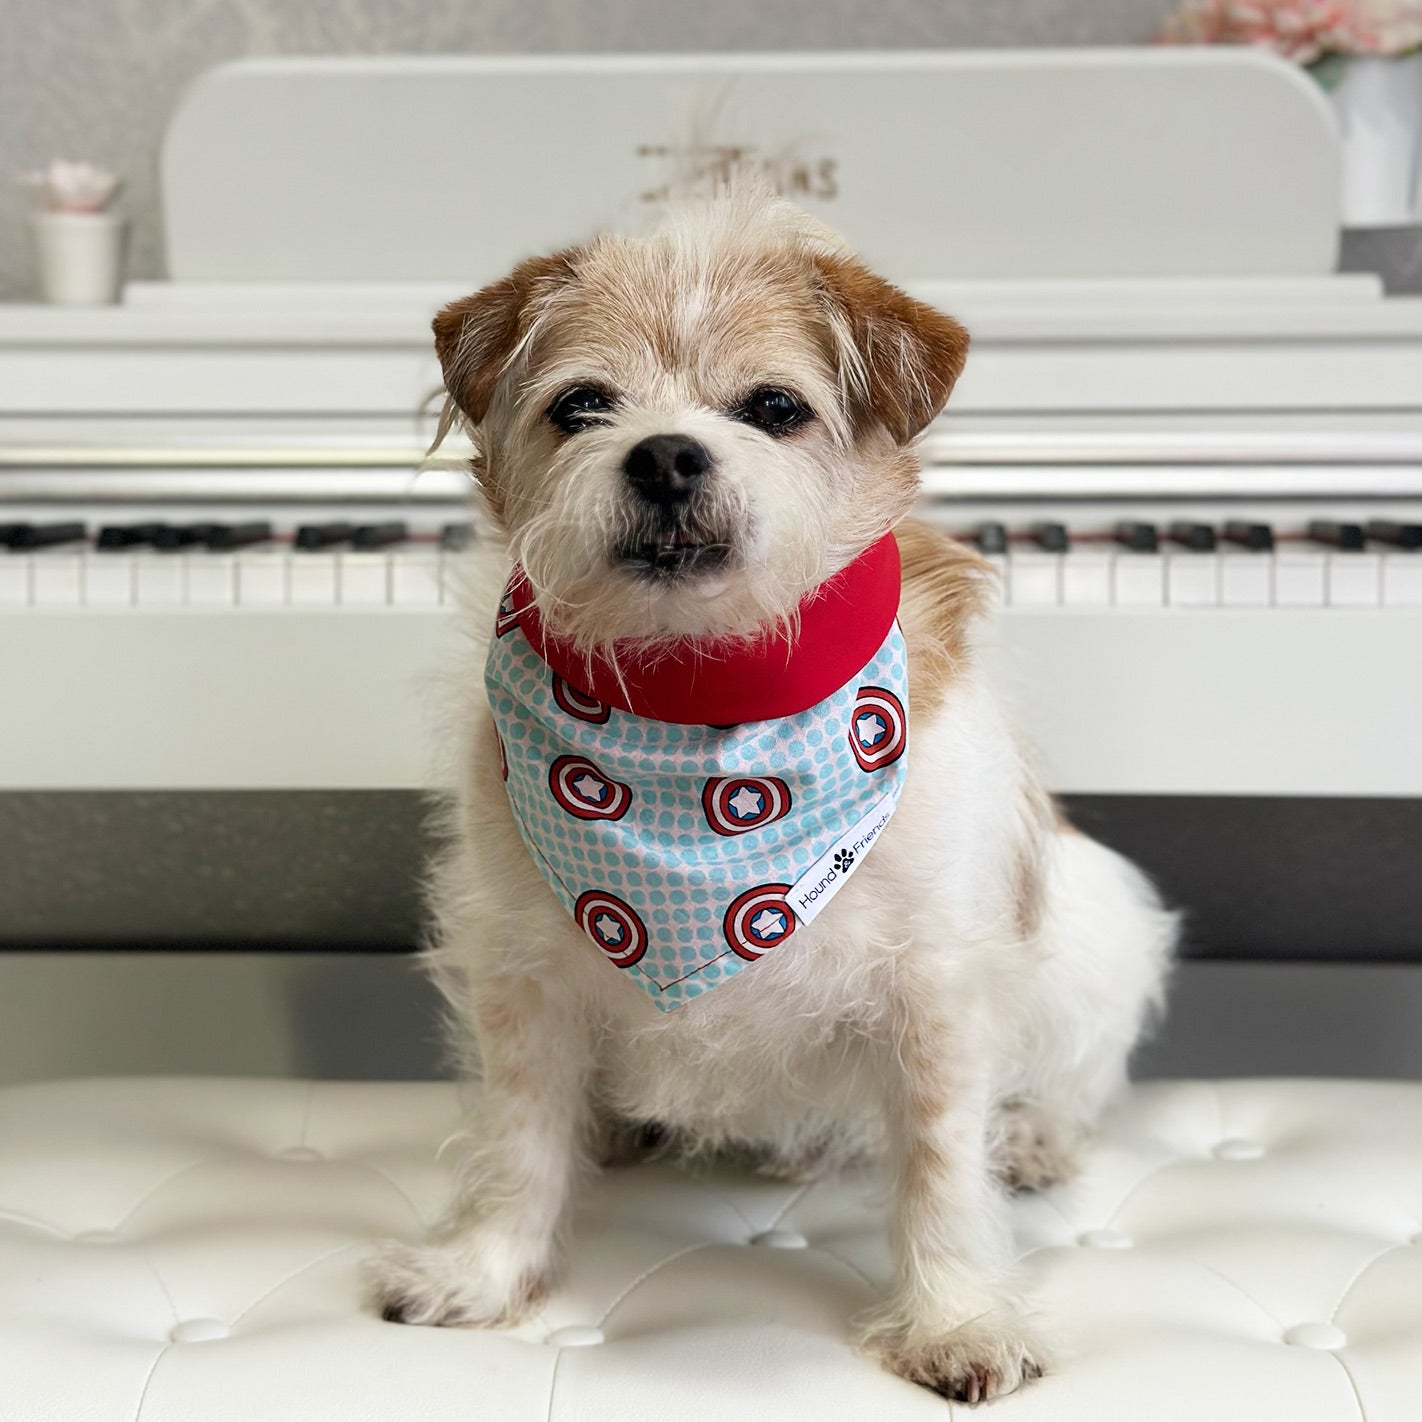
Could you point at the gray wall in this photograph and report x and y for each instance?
(375, 1016)
(97, 79)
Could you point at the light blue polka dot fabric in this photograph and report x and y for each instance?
(686, 853)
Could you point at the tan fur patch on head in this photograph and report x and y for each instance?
(909, 355)
(477, 336)
(945, 586)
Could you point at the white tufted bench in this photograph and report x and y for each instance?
(187, 1251)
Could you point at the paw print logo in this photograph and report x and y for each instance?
(843, 858)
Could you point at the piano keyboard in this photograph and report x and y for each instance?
(215, 566)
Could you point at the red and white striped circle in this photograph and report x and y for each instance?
(878, 728)
(737, 803)
(577, 703)
(612, 925)
(583, 790)
(758, 920)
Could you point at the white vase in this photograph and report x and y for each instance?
(1378, 101)
(80, 256)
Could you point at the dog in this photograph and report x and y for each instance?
(687, 438)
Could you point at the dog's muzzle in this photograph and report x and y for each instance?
(665, 472)
(667, 469)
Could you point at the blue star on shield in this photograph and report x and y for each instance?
(746, 803)
(870, 729)
(768, 923)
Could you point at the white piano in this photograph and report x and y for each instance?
(1193, 450)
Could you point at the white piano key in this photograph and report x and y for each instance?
(261, 579)
(56, 580)
(1192, 579)
(212, 580)
(415, 580)
(108, 580)
(1354, 580)
(1034, 579)
(158, 581)
(365, 579)
(14, 579)
(1299, 579)
(1402, 579)
(1086, 579)
(996, 561)
(313, 579)
(1139, 580)
(1246, 579)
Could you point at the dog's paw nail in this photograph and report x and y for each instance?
(977, 1362)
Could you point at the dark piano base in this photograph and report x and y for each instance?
(1303, 879)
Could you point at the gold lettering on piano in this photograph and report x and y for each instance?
(703, 166)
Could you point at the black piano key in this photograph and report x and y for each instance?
(456, 537)
(312, 536)
(991, 538)
(1399, 535)
(379, 535)
(1050, 537)
(1138, 537)
(8, 534)
(126, 535)
(1257, 537)
(1198, 537)
(47, 535)
(1345, 536)
(170, 537)
(226, 536)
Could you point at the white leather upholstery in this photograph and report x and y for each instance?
(187, 1251)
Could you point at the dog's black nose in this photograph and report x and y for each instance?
(666, 468)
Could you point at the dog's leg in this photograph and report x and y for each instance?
(952, 1322)
(1033, 1145)
(491, 1257)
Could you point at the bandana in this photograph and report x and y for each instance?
(692, 810)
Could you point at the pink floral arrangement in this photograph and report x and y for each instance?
(71, 187)
(1301, 30)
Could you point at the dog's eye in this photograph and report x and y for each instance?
(775, 411)
(578, 408)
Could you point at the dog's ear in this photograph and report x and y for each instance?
(476, 337)
(901, 357)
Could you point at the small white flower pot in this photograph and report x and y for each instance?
(80, 256)
(1378, 101)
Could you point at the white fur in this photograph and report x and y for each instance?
(916, 1016)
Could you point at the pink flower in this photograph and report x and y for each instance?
(1301, 30)
(71, 187)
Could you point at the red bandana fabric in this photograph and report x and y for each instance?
(693, 813)
(842, 624)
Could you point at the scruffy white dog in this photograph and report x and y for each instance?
(684, 437)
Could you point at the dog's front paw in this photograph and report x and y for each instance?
(444, 1286)
(985, 1358)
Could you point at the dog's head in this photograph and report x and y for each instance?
(683, 434)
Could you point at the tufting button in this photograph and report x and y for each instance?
(98, 1236)
(1105, 1239)
(300, 1152)
(1238, 1148)
(781, 1239)
(576, 1335)
(199, 1330)
(1317, 1335)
